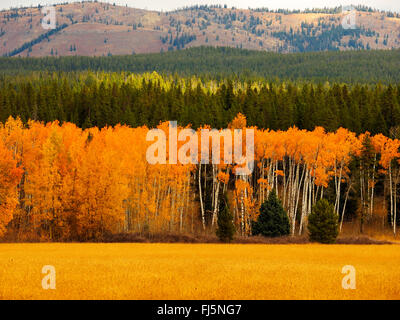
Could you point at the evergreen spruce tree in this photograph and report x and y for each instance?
(323, 223)
(273, 220)
(226, 228)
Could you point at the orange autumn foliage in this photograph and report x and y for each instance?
(10, 175)
(61, 182)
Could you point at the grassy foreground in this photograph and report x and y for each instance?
(198, 271)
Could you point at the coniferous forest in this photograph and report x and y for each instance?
(99, 99)
(217, 63)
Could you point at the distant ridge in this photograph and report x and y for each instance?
(103, 29)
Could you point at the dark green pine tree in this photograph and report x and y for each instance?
(323, 223)
(226, 228)
(390, 107)
(273, 220)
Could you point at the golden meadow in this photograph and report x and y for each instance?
(198, 271)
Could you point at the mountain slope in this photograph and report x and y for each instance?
(96, 29)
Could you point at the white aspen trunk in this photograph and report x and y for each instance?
(241, 213)
(298, 198)
(261, 188)
(289, 189)
(395, 217)
(288, 180)
(304, 201)
(391, 194)
(337, 203)
(295, 194)
(284, 196)
(362, 197)
(311, 187)
(276, 179)
(214, 218)
(205, 180)
(201, 200)
(172, 220)
(246, 213)
(213, 187)
(336, 184)
(293, 189)
(344, 207)
(395, 205)
(270, 176)
(373, 187)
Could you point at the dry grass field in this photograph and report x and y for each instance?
(199, 271)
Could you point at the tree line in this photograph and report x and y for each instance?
(348, 67)
(107, 99)
(60, 182)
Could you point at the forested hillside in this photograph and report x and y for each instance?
(208, 62)
(93, 28)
